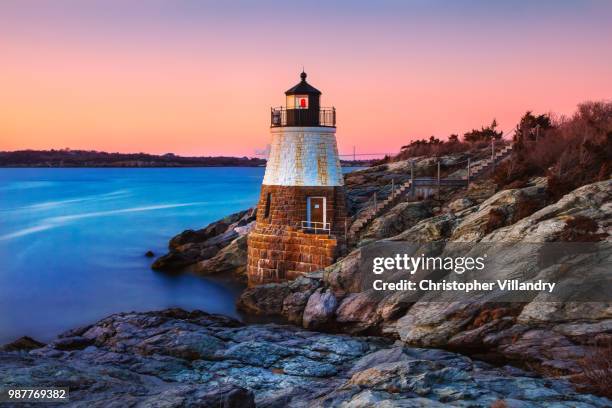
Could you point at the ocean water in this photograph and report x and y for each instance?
(72, 242)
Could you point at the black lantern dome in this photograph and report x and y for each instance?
(303, 108)
(303, 87)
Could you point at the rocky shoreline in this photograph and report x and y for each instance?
(544, 335)
(366, 350)
(175, 358)
(550, 336)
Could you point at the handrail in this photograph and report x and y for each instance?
(316, 226)
(282, 116)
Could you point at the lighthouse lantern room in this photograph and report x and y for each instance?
(301, 213)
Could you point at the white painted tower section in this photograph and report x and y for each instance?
(303, 156)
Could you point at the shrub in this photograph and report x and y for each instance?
(516, 173)
(570, 152)
(432, 147)
(525, 207)
(581, 229)
(484, 134)
(596, 366)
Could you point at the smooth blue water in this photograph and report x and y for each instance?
(72, 242)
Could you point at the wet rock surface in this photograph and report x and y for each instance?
(174, 358)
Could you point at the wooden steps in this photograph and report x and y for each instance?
(370, 213)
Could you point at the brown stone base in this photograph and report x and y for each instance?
(278, 249)
(284, 253)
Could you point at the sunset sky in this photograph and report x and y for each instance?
(199, 77)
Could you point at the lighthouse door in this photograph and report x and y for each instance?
(316, 212)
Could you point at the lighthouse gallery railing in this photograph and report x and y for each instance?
(282, 116)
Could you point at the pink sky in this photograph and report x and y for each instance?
(198, 78)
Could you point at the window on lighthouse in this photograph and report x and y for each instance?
(297, 102)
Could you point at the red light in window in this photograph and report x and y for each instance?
(302, 103)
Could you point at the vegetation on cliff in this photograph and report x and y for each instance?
(570, 152)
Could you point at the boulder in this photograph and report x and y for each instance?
(23, 343)
(357, 312)
(230, 259)
(495, 212)
(196, 247)
(460, 204)
(592, 201)
(300, 290)
(399, 218)
(320, 309)
(294, 306)
(71, 343)
(264, 299)
(481, 190)
(344, 277)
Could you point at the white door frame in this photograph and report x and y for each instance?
(324, 209)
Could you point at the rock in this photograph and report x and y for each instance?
(358, 313)
(301, 289)
(149, 254)
(402, 216)
(460, 204)
(553, 334)
(502, 205)
(344, 277)
(227, 396)
(397, 376)
(294, 305)
(287, 299)
(22, 343)
(386, 355)
(174, 261)
(432, 324)
(320, 309)
(592, 201)
(481, 190)
(429, 230)
(231, 258)
(195, 247)
(230, 396)
(475, 338)
(175, 358)
(264, 299)
(71, 343)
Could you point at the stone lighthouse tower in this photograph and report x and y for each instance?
(301, 213)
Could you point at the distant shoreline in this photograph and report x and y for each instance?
(127, 167)
(67, 158)
(343, 164)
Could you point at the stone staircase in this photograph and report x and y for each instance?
(484, 165)
(369, 214)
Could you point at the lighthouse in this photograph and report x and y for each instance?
(301, 214)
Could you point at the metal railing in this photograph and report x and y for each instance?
(316, 227)
(281, 116)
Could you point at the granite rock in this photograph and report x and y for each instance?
(175, 358)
